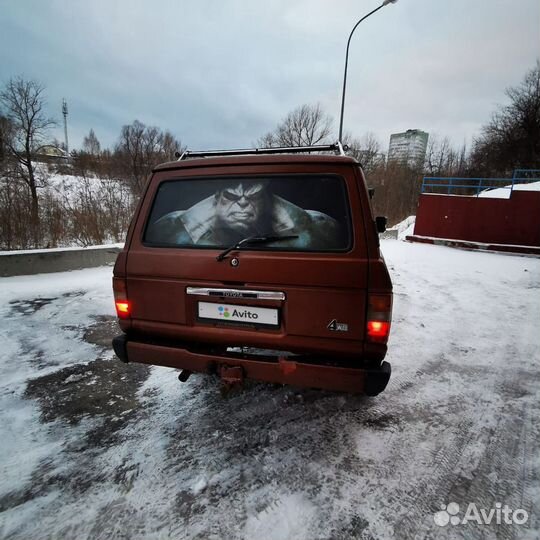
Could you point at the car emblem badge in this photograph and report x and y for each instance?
(235, 262)
(337, 326)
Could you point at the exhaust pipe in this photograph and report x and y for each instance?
(184, 375)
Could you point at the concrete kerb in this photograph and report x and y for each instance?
(465, 244)
(44, 261)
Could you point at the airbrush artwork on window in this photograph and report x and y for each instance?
(307, 213)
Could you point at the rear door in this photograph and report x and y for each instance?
(304, 291)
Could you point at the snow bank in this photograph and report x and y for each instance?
(67, 187)
(404, 228)
(60, 249)
(505, 192)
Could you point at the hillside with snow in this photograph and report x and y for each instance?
(73, 210)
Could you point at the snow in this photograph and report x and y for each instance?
(288, 517)
(25, 442)
(54, 250)
(404, 228)
(93, 284)
(457, 422)
(505, 192)
(74, 196)
(67, 187)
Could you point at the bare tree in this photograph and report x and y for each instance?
(443, 159)
(397, 188)
(438, 155)
(169, 146)
(367, 150)
(4, 130)
(22, 102)
(14, 212)
(91, 144)
(512, 138)
(305, 126)
(143, 147)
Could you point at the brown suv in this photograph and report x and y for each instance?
(257, 265)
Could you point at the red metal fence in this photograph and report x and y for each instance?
(514, 221)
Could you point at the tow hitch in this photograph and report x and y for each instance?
(232, 376)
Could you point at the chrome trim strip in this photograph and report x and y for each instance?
(235, 293)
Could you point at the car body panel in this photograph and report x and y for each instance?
(324, 305)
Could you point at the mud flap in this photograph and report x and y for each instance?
(119, 344)
(377, 380)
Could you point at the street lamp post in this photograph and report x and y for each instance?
(385, 3)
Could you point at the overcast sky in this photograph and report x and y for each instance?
(219, 74)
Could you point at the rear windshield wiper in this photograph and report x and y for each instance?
(254, 240)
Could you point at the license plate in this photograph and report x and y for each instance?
(233, 313)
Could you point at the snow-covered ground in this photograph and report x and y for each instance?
(93, 448)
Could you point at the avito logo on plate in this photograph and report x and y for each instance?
(241, 314)
(237, 313)
(224, 311)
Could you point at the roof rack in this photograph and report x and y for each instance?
(338, 148)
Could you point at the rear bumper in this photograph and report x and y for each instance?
(280, 370)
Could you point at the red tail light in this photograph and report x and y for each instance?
(379, 316)
(123, 305)
(378, 329)
(123, 308)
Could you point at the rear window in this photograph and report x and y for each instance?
(217, 213)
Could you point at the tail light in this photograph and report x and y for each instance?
(123, 305)
(379, 315)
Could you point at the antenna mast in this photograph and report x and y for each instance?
(65, 113)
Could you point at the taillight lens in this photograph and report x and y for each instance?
(123, 308)
(378, 329)
(123, 305)
(379, 315)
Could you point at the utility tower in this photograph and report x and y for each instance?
(65, 113)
